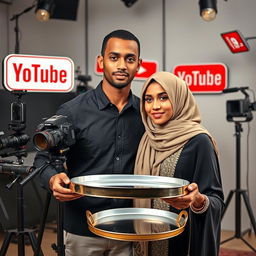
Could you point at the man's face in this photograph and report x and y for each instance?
(120, 62)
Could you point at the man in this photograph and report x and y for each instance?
(108, 129)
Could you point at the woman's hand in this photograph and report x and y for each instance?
(60, 192)
(192, 197)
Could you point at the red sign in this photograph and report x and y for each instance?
(38, 73)
(203, 78)
(235, 41)
(147, 68)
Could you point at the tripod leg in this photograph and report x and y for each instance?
(42, 224)
(248, 244)
(33, 242)
(60, 239)
(6, 243)
(249, 209)
(231, 192)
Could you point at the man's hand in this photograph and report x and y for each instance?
(57, 184)
(192, 197)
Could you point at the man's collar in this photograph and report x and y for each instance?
(104, 102)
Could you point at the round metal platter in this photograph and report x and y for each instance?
(136, 224)
(129, 186)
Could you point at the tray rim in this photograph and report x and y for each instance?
(137, 237)
(128, 192)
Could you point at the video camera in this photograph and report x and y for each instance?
(54, 133)
(18, 139)
(241, 109)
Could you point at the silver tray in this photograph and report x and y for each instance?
(136, 224)
(129, 186)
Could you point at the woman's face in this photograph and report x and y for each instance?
(157, 104)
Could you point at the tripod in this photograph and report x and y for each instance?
(238, 193)
(57, 161)
(20, 232)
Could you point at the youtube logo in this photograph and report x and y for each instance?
(147, 68)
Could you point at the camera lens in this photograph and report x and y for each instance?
(47, 139)
(14, 141)
(43, 140)
(40, 141)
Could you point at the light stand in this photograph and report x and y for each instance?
(16, 28)
(238, 194)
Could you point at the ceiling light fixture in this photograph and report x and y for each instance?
(208, 9)
(129, 3)
(44, 9)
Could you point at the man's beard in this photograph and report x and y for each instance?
(118, 85)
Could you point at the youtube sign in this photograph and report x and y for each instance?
(147, 68)
(203, 78)
(36, 73)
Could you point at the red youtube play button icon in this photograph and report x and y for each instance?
(147, 68)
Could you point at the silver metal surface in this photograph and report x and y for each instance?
(137, 224)
(129, 186)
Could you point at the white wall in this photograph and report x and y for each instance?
(189, 40)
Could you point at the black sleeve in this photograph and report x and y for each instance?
(198, 163)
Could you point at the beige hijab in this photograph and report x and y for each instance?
(161, 141)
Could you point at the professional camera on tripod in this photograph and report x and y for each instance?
(54, 136)
(239, 111)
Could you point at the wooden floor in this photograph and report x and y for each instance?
(238, 244)
(50, 237)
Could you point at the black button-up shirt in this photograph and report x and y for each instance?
(106, 143)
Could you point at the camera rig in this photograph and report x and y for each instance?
(55, 135)
(14, 144)
(239, 110)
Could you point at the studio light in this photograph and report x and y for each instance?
(44, 9)
(56, 9)
(208, 9)
(129, 3)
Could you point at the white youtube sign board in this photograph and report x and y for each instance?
(33, 73)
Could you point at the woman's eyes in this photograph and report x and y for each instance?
(161, 98)
(148, 99)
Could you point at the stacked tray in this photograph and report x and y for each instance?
(133, 224)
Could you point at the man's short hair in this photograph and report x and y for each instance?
(122, 34)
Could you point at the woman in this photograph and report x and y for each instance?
(176, 145)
